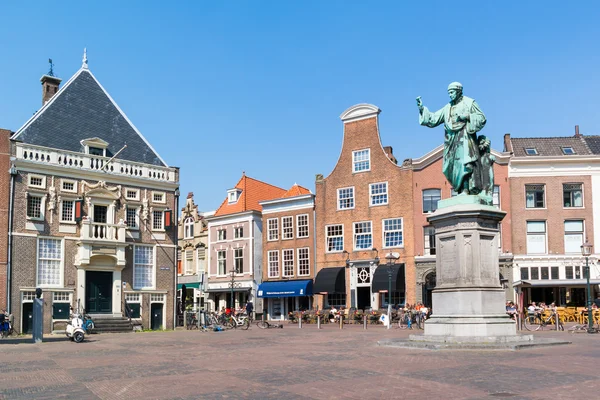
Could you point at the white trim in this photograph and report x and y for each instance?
(276, 230)
(130, 190)
(383, 231)
(163, 197)
(42, 177)
(298, 260)
(359, 111)
(134, 283)
(283, 274)
(354, 171)
(354, 236)
(61, 262)
(387, 194)
(545, 201)
(353, 198)
(41, 196)
(298, 226)
(72, 181)
(291, 218)
(536, 233)
(582, 207)
(327, 239)
(61, 205)
(269, 264)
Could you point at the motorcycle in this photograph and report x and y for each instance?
(6, 328)
(75, 327)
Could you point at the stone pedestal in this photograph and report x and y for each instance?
(468, 300)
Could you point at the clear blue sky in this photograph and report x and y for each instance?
(221, 87)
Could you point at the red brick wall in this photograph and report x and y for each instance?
(4, 203)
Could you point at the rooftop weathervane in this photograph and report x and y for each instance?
(85, 60)
(51, 72)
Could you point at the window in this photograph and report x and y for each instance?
(157, 220)
(302, 225)
(143, 267)
(430, 199)
(273, 256)
(363, 236)
(68, 186)
(34, 206)
(535, 273)
(189, 262)
(345, 198)
(553, 272)
(378, 194)
(158, 197)
(238, 232)
(536, 237)
(37, 181)
(534, 196)
(67, 211)
(188, 228)
(531, 151)
(524, 273)
(572, 195)
(49, 262)
(392, 233)
(288, 262)
(568, 151)
(335, 238)
(545, 274)
(61, 297)
(100, 214)
(573, 236)
(569, 272)
(222, 262)
(233, 195)
(132, 194)
(336, 300)
(238, 259)
(221, 234)
(95, 151)
(429, 241)
(496, 197)
(303, 262)
(287, 227)
(201, 264)
(272, 229)
(132, 217)
(361, 160)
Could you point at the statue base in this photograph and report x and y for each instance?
(477, 199)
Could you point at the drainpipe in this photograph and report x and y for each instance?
(314, 248)
(13, 173)
(176, 229)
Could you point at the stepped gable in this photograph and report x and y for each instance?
(252, 192)
(296, 190)
(80, 110)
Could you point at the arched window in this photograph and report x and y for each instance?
(188, 226)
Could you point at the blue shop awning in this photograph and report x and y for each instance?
(286, 289)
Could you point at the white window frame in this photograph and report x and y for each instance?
(137, 217)
(272, 232)
(240, 258)
(163, 199)
(224, 259)
(571, 196)
(68, 181)
(577, 249)
(353, 197)
(383, 231)
(307, 259)
(136, 193)
(498, 197)
(201, 260)
(426, 248)
(153, 275)
(188, 228)
(61, 263)
(544, 196)
(289, 265)
(61, 205)
(373, 196)
(355, 235)
(162, 220)
(356, 153)
(42, 198)
(287, 232)
(188, 266)
(423, 199)
(236, 230)
(298, 226)
(534, 233)
(273, 263)
(41, 186)
(219, 230)
(327, 237)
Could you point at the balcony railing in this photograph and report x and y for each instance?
(104, 232)
(90, 162)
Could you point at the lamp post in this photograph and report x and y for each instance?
(233, 284)
(391, 260)
(586, 251)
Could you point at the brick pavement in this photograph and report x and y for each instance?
(290, 363)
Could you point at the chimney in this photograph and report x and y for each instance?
(49, 87)
(577, 131)
(389, 152)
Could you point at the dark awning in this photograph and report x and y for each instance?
(285, 289)
(381, 278)
(330, 280)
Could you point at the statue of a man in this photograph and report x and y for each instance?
(462, 119)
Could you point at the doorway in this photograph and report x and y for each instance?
(100, 214)
(156, 310)
(27, 318)
(428, 287)
(98, 292)
(363, 297)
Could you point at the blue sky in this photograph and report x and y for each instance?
(258, 86)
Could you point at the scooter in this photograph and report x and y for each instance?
(75, 329)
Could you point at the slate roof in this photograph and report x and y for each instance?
(593, 143)
(296, 190)
(82, 109)
(253, 191)
(549, 146)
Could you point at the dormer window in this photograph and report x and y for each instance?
(96, 151)
(95, 146)
(568, 151)
(233, 195)
(531, 151)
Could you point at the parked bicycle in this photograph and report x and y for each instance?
(241, 321)
(410, 320)
(266, 325)
(535, 321)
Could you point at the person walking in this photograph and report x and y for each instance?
(249, 308)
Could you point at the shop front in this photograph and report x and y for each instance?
(562, 292)
(331, 284)
(283, 297)
(387, 276)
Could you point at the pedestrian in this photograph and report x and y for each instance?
(249, 309)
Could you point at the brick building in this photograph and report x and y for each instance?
(235, 247)
(4, 212)
(92, 212)
(364, 212)
(288, 253)
(553, 184)
(430, 186)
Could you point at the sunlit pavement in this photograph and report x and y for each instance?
(291, 363)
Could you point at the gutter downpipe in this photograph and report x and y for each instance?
(176, 229)
(13, 173)
(314, 246)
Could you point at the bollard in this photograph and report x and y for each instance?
(365, 322)
(519, 322)
(38, 320)
(341, 321)
(556, 319)
(185, 319)
(300, 321)
(318, 322)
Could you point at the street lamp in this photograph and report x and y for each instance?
(233, 284)
(391, 260)
(586, 251)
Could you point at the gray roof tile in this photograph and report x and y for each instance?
(593, 143)
(549, 146)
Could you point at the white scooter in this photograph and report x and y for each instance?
(75, 329)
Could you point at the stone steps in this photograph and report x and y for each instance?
(112, 325)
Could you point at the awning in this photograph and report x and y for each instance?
(285, 289)
(555, 282)
(330, 280)
(380, 281)
(190, 285)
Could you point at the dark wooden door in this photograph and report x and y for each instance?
(27, 317)
(156, 310)
(98, 290)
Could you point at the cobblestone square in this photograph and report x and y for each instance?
(290, 363)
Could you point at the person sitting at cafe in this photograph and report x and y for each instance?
(511, 310)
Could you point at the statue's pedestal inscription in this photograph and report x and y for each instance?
(468, 299)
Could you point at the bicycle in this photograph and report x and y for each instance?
(266, 325)
(191, 320)
(233, 322)
(535, 321)
(408, 320)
